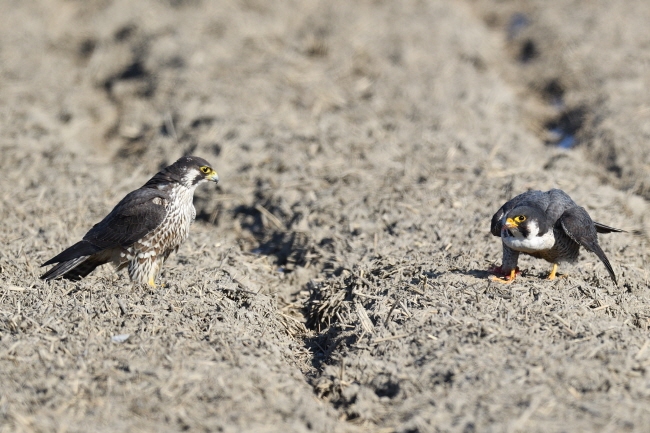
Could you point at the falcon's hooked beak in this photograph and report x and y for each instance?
(214, 177)
(509, 225)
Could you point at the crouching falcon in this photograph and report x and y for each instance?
(547, 225)
(143, 229)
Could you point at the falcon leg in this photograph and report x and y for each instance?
(508, 269)
(143, 272)
(154, 271)
(552, 275)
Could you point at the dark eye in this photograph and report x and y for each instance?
(520, 218)
(205, 169)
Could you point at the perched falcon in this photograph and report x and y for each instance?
(547, 225)
(143, 229)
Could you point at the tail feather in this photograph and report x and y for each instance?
(81, 249)
(63, 268)
(602, 228)
(77, 268)
(84, 268)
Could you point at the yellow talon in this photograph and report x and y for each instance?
(507, 280)
(551, 276)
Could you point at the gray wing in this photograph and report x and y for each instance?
(532, 196)
(577, 224)
(558, 202)
(136, 215)
(133, 217)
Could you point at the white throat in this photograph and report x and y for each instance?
(529, 244)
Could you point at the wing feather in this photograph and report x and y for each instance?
(577, 224)
(133, 217)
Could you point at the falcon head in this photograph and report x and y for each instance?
(188, 171)
(527, 228)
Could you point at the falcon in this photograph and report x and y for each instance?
(143, 229)
(547, 225)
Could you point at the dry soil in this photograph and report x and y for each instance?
(336, 278)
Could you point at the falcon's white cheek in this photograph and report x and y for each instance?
(190, 179)
(533, 242)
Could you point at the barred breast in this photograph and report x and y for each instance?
(146, 256)
(175, 228)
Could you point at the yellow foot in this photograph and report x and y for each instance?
(552, 275)
(503, 277)
(151, 283)
(507, 279)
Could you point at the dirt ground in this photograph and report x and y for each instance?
(336, 278)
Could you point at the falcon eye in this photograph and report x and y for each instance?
(520, 218)
(205, 169)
